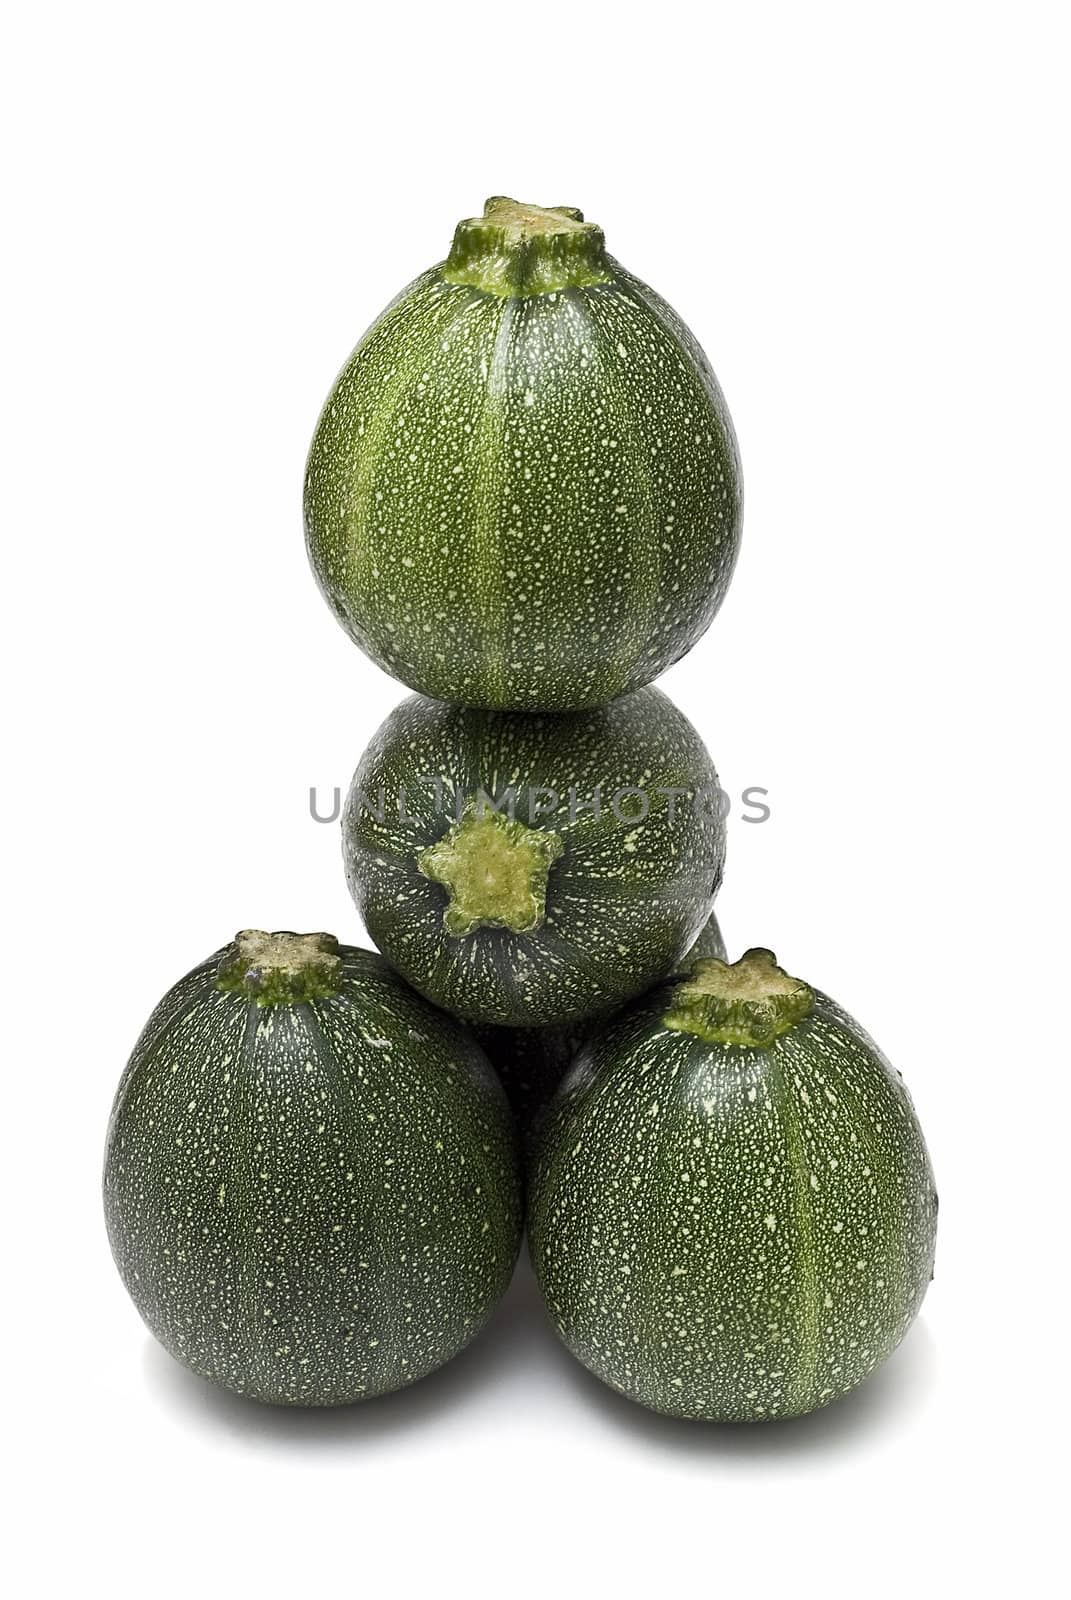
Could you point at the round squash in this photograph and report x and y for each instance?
(531, 1062)
(732, 1214)
(586, 884)
(524, 489)
(311, 1182)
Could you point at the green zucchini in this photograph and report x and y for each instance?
(588, 893)
(311, 1182)
(531, 1062)
(524, 489)
(732, 1214)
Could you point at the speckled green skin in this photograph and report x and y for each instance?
(531, 1062)
(624, 900)
(527, 501)
(311, 1204)
(731, 1232)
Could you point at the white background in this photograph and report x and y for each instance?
(862, 213)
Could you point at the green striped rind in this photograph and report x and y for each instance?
(623, 900)
(531, 1062)
(311, 1204)
(730, 1232)
(525, 501)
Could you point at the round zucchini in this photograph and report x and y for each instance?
(524, 489)
(586, 884)
(732, 1214)
(311, 1182)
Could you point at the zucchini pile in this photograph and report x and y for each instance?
(523, 500)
